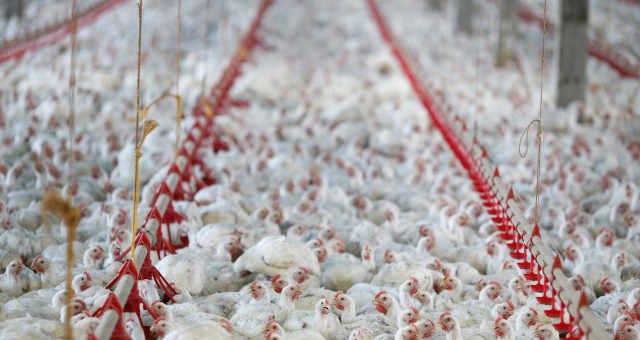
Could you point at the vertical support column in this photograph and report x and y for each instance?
(436, 5)
(14, 8)
(572, 68)
(508, 34)
(464, 16)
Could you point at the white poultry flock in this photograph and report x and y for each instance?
(337, 213)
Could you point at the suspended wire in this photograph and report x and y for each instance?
(72, 86)
(525, 133)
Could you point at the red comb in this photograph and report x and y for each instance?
(511, 304)
(496, 283)
(605, 229)
(79, 301)
(625, 325)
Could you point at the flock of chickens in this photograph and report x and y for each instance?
(338, 211)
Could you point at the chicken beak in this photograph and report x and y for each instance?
(36, 267)
(379, 306)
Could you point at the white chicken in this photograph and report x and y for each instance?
(93, 256)
(546, 332)
(322, 321)
(165, 330)
(386, 304)
(50, 274)
(276, 255)
(11, 282)
(251, 318)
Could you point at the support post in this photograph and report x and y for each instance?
(464, 16)
(508, 34)
(436, 5)
(14, 8)
(572, 64)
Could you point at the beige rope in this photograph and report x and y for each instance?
(525, 133)
(136, 149)
(72, 87)
(178, 56)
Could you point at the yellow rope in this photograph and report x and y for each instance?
(178, 99)
(72, 86)
(52, 202)
(179, 111)
(137, 151)
(148, 126)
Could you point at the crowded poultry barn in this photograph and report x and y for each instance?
(291, 169)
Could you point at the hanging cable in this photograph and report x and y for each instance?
(525, 132)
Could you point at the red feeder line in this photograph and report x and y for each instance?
(113, 306)
(17, 48)
(583, 318)
(111, 324)
(134, 301)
